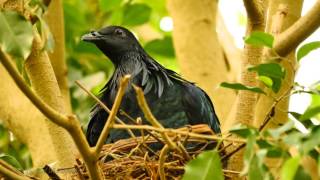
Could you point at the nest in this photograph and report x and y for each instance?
(149, 156)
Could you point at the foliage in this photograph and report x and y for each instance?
(258, 38)
(307, 48)
(205, 166)
(238, 86)
(15, 35)
(13, 151)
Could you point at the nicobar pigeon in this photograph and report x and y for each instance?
(174, 101)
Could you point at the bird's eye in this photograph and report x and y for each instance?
(119, 32)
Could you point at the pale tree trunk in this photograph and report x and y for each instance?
(282, 14)
(54, 18)
(198, 50)
(246, 100)
(25, 121)
(43, 81)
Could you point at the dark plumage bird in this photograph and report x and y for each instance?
(174, 101)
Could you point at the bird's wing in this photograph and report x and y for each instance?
(96, 125)
(199, 108)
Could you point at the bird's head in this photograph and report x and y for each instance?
(113, 41)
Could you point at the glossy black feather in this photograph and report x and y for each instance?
(174, 101)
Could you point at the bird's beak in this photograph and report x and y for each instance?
(91, 37)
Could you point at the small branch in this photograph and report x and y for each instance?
(162, 159)
(230, 171)
(9, 172)
(112, 115)
(50, 172)
(271, 112)
(102, 105)
(254, 10)
(149, 116)
(299, 31)
(46, 2)
(177, 131)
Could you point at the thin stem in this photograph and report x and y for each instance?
(254, 10)
(10, 173)
(177, 131)
(113, 113)
(162, 159)
(299, 31)
(102, 105)
(149, 116)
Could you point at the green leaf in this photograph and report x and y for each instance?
(46, 35)
(275, 133)
(15, 35)
(162, 47)
(136, 14)
(243, 131)
(307, 48)
(312, 142)
(248, 154)
(266, 81)
(272, 70)
(301, 174)
(108, 5)
(309, 113)
(238, 86)
(205, 166)
(258, 38)
(290, 168)
(11, 160)
(276, 85)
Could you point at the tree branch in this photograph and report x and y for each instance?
(103, 105)
(149, 116)
(112, 115)
(10, 172)
(162, 159)
(299, 31)
(179, 131)
(70, 123)
(254, 10)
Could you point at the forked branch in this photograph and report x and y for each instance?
(299, 31)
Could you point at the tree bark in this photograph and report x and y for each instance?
(43, 81)
(54, 18)
(282, 14)
(198, 51)
(246, 100)
(25, 121)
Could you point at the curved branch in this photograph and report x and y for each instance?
(299, 31)
(113, 113)
(10, 172)
(70, 123)
(254, 10)
(149, 116)
(162, 159)
(103, 105)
